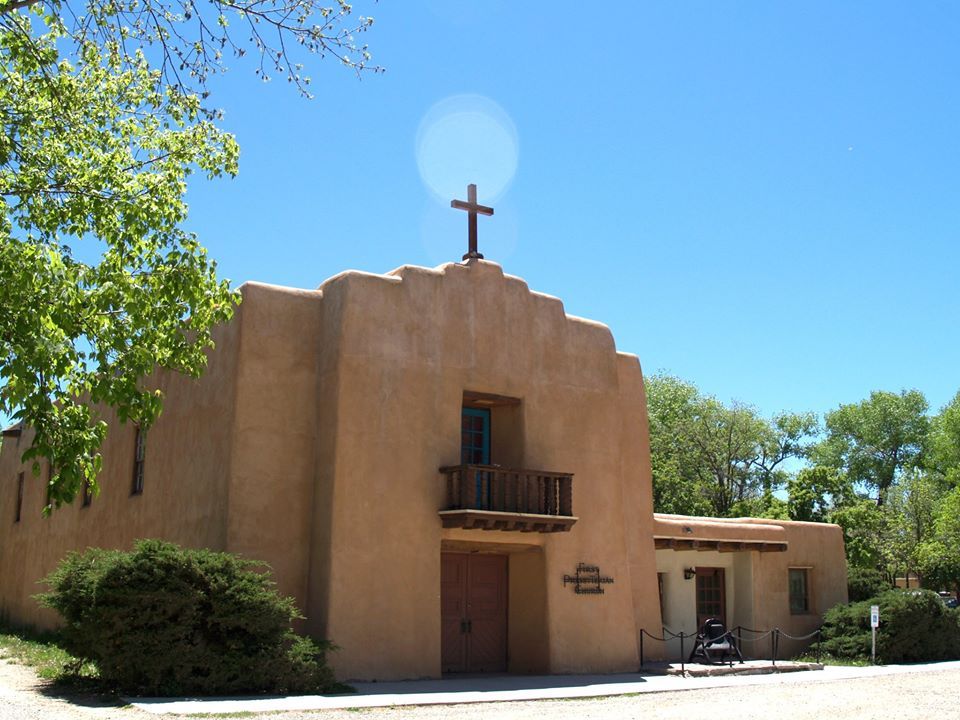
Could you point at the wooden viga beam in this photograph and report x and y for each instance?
(724, 546)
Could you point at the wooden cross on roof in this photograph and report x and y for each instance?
(473, 209)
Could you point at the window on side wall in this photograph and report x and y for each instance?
(140, 448)
(16, 518)
(46, 501)
(799, 586)
(663, 617)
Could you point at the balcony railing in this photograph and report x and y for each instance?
(491, 497)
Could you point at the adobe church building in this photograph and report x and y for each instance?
(446, 471)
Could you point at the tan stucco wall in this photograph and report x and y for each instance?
(183, 499)
(273, 464)
(410, 344)
(815, 546)
(637, 501)
(685, 527)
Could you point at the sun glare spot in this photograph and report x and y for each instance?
(467, 139)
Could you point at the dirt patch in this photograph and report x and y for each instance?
(24, 696)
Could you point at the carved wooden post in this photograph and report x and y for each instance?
(465, 483)
(566, 496)
(498, 501)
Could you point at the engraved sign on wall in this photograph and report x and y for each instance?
(588, 580)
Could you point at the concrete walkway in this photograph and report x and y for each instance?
(511, 687)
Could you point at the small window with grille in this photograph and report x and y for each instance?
(663, 606)
(140, 449)
(799, 586)
(47, 502)
(19, 508)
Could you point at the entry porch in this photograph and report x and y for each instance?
(771, 580)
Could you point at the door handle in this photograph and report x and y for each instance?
(463, 627)
(469, 626)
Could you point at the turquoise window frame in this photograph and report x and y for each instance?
(484, 415)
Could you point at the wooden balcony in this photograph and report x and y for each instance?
(490, 497)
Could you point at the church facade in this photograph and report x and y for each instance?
(448, 473)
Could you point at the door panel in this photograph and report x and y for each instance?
(487, 613)
(453, 599)
(473, 599)
(711, 595)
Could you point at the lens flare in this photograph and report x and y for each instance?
(467, 139)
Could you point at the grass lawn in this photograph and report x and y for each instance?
(828, 659)
(42, 652)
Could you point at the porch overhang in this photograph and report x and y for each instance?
(684, 532)
(724, 546)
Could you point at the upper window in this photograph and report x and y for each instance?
(19, 497)
(799, 582)
(475, 436)
(140, 448)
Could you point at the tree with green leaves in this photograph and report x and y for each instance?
(815, 492)
(727, 442)
(875, 441)
(865, 533)
(787, 436)
(939, 556)
(943, 455)
(676, 484)
(911, 509)
(104, 117)
(708, 458)
(711, 458)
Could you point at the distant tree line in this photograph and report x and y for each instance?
(884, 469)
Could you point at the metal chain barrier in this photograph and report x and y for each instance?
(775, 634)
(818, 633)
(762, 635)
(682, 635)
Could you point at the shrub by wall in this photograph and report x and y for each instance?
(915, 626)
(164, 620)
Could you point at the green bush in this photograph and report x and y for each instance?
(915, 626)
(865, 583)
(164, 620)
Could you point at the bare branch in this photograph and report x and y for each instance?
(15, 5)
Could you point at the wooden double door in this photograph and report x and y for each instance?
(473, 610)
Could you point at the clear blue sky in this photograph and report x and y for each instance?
(761, 198)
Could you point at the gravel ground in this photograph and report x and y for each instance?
(933, 695)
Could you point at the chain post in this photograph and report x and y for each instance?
(683, 655)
